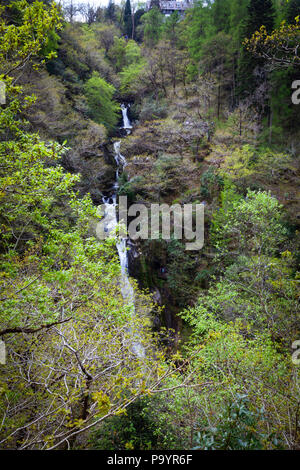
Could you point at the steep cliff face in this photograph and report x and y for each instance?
(175, 154)
(172, 160)
(165, 164)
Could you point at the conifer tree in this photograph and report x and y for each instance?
(110, 13)
(152, 26)
(221, 14)
(293, 10)
(238, 12)
(128, 19)
(259, 13)
(154, 3)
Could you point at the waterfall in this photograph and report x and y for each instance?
(126, 123)
(109, 224)
(120, 161)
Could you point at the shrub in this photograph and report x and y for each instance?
(103, 109)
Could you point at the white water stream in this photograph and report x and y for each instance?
(126, 123)
(110, 223)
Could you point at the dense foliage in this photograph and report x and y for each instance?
(209, 94)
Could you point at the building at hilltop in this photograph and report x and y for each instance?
(167, 7)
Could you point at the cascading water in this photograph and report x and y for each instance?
(126, 123)
(110, 223)
(120, 161)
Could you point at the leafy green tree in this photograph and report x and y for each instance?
(237, 428)
(133, 67)
(132, 53)
(19, 44)
(117, 53)
(69, 333)
(132, 78)
(99, 94)
(135, 430)
(171, 27)
(248, 234)
(278, 48)
(235, 360)
(252, 225)
(200, 27)
(152, 22)
(221, 15)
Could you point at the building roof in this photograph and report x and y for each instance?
(173, 5)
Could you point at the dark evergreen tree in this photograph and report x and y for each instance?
(137, 21)
(128, 19)
(260, 12)
(293, 10)
(110, 12)
(238, 13)
(155, 3)
(171, 25)
(251, 72)
(221, 15)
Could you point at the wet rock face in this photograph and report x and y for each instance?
(144, 264)
(135, 265)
